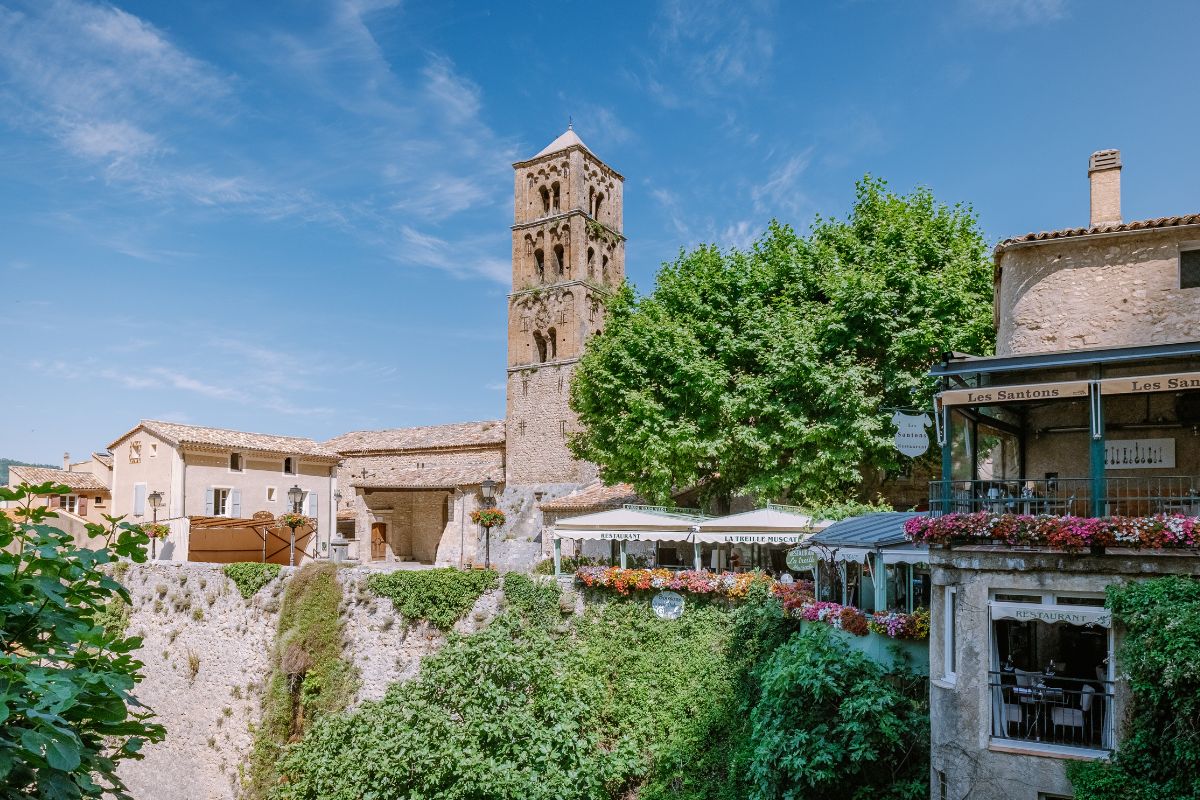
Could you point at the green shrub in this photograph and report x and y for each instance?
(533, 599)
(308, 680)
(829, 722)
(438, 596)
(114, 617)
(1159, 753)
(250, 576)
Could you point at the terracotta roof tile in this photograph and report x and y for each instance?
(459, 434)
(595, 496)
(177, 433)
(103, 458)
(1124, 227)
(84, 481)
(428, 477)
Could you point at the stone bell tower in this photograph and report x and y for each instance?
(568, 255)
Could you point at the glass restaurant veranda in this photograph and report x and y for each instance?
(1101, 432)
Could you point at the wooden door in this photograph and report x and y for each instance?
(378, 541)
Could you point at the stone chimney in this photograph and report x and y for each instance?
(66, 462)
(1104, 173)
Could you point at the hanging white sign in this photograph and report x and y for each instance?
(911, 438)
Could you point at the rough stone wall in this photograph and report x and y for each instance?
(208, 715)
(1096, 292)
(539, 421)
(960, 711)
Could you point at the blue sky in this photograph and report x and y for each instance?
(293, 217)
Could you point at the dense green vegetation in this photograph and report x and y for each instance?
(67, 671)
(768, 371)
(250, 576)
(308, 680)
(617, 703)
(1159, 751)
(438, 596)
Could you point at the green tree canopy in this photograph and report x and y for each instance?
(68, 716)
(767, 371)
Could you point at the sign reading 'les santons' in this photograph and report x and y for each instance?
(911, 438)
(1069, 389)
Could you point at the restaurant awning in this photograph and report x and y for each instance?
(628, 524)
(1072, 615)
(771, 525)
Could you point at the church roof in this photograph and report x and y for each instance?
(568, 139)
(458, 434)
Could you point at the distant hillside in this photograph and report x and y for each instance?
(5, 463)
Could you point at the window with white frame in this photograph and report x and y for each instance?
(220, 502)
(950, 633)
(1051, 675)
(68, 502)
(235, 462)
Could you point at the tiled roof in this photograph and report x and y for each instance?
(176, 433)
(84, 481)
(593, 497)
(428, 477)
(103, 458)
(1124, 227)
(458, 434)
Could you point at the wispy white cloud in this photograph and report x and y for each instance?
(124, 100)
(1008, 14)
(781, 191)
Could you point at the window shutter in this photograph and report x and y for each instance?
(235, 500)
(208, 502)
(82, 507)
(312, 504)
(139, 500)
(62, 501)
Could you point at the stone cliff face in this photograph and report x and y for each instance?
(207, 656)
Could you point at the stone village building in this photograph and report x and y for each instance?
(1091, 408)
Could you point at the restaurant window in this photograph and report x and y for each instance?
(907, 587)
(1050, 677)
(1189, 269)
(950, 634)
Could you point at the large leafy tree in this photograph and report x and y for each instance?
(768, 371)
(67, 713)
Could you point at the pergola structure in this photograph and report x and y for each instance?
(872, 564)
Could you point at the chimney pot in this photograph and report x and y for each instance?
(1104, 174)
(66, 462)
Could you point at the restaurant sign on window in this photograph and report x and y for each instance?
(1139, 454)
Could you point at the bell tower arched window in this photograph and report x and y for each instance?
(552, 341)
(539, 342)
(554, 196)
(545, 193)
(591, 265)
(559, 260)
(604, 268)
(599, 205)
(539, 264)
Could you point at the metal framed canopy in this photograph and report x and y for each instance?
(628, 524)
(771, 525)
(881, 535)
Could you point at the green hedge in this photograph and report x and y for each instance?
(438, 596)
(251, 576)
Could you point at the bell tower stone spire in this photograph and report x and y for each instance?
(568, 255)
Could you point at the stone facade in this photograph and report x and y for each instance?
(973, 764)
(1096, 291)
(568, 254)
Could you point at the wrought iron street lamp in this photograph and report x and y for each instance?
(295, 498)
(156, 501)
(488, 490)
